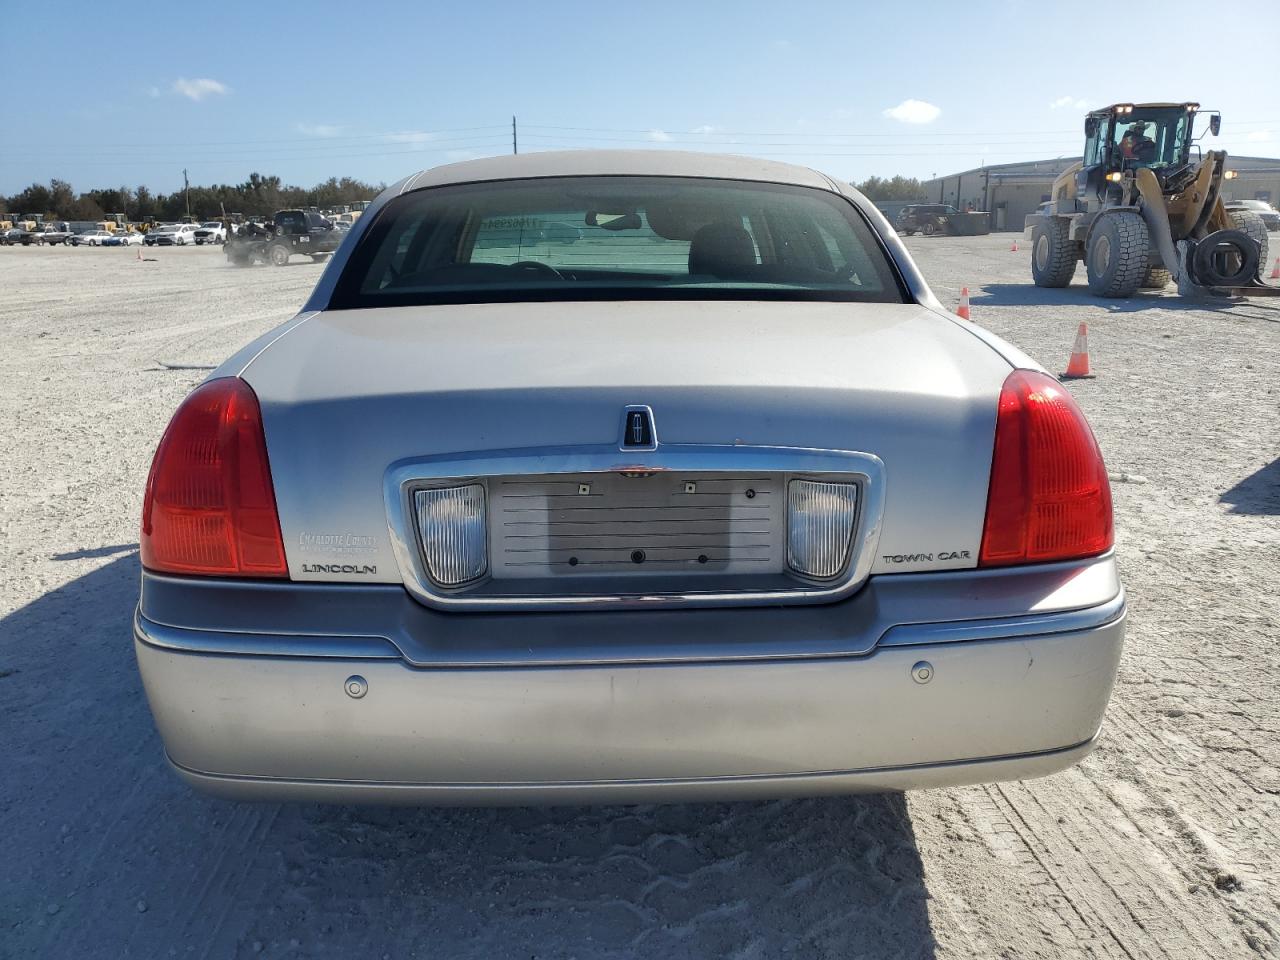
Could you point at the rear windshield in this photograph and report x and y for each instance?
(601, 238)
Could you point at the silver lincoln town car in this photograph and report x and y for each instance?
(623, 476)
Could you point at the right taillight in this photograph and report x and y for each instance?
(210, 508)
(1049, 497)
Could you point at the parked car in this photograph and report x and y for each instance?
(171, 234)
(926, 218)
(211, 232)
(712, 499)
(1270, 216)
(290, 232)
(11, 236)
(124, 239)
(90, 238)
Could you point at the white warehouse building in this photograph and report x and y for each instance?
(1010, 191)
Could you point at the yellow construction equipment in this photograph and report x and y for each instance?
(1140, 211)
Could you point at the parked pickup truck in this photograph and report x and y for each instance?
(289, 232)
(51, 233)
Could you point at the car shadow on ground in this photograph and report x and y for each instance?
(95, 552)
(1258, 493)
(1029, 295)
(110, 855)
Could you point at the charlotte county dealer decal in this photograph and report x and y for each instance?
(337, 544)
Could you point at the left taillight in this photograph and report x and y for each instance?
(210, 508)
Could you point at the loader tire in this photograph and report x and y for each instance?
(1116, 257)
(1053, 254)
(1252, 225)
(1157, 278)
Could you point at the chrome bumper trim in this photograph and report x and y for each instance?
(918, 634)
(280, 618)
(261, 645)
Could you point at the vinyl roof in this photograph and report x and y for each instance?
(586, 163)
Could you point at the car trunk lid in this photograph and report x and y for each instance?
(347, 394)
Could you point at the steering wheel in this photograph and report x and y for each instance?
(536, 266)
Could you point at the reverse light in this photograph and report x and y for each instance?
(1115, 177)
(1230, 174)
(1049, 497)
(209, 507)
(820, 526)
(454, 531)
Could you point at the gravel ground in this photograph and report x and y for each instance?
(1164, 843)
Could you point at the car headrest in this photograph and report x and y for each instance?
(723, 250)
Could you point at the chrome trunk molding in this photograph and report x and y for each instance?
(405, 477)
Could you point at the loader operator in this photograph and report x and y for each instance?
(1136, 146)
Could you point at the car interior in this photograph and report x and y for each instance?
(620, 232)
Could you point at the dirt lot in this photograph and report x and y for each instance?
(1165, 843)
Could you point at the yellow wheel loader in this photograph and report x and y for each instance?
(1141, 211)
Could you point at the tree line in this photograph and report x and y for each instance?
(259, 196)
(892, 188)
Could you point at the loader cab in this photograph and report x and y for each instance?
(1126, 136)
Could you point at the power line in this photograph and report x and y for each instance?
(780, 143)
(1073, 131)
(389, 135)
(315, 149)
(789, 133)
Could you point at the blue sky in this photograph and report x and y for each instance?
(134, 92)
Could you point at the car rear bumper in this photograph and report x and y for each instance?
(251, 714)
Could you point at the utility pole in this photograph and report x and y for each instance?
(515, 146)
(186, 186)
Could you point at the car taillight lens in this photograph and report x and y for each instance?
(820, 520)
(1049, 497)
(210, 508)
(454, 530)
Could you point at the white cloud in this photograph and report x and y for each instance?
(153, 92)
(318, 129)
(1259, 136)
(659, 136)
(705, 129)
(913, 111)
(1069, 103)
(199, 88)
(419, 138)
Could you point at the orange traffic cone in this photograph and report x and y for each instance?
(1078, 365)
(1014, 248)
(962, 311)
(1275, 271)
